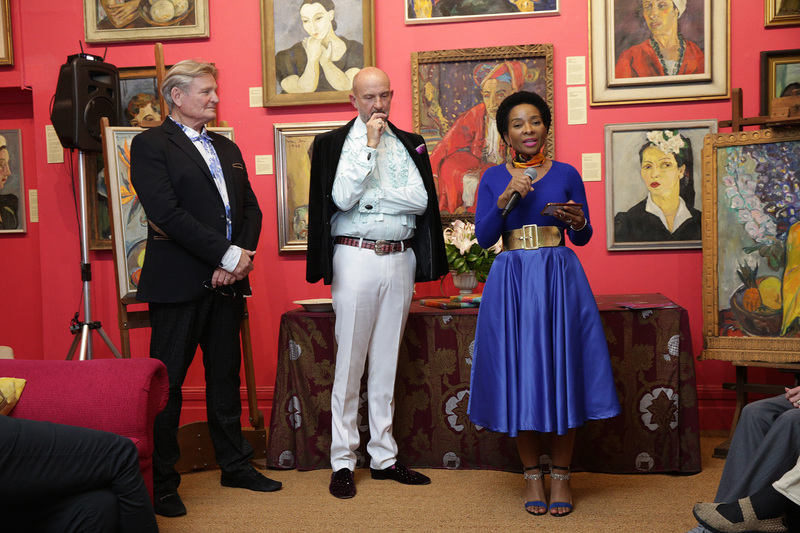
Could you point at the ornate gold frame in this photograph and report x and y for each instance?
(470, 56)
(268, 52)
(773, 349)
(772, 18)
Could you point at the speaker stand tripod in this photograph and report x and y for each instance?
(86, 327)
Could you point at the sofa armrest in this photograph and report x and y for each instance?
(118, 395)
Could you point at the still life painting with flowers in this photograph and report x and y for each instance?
(752, 253)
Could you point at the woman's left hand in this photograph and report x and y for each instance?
(572, 216)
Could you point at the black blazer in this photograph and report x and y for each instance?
(179, 196)
(428, 241)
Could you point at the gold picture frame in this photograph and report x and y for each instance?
(282, 42)
(749, 235)
(618, 36)
(6, 43)
(780, 13)
(780, 71)
(128, 219)
(132, 21)
(430, 11)
(448, 99)
(293, 143)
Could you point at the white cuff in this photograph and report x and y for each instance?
(231, 258)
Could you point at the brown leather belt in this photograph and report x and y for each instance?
(531, 237)
(381, 247)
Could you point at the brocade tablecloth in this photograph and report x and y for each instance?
(651, 354)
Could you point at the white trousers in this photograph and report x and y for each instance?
(371, 297)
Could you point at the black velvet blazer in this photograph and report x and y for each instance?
(428, 241)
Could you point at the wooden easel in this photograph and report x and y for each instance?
(742, 386)
(198, 453)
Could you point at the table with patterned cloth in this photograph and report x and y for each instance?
(651, 353)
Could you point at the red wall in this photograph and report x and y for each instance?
(39, 273)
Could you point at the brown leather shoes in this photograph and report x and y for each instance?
(401, 474)
(343, 485)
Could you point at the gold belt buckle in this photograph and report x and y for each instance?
(383, 247)
(530, 232)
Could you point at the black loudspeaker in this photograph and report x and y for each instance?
(87, 90)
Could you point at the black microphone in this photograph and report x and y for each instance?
(515, 196)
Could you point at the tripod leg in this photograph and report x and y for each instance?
(85, 352)
(109, 343)
(71, 352)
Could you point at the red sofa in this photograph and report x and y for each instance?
(122, 396)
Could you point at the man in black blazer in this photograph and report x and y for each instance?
(204, 224)
(374, 229)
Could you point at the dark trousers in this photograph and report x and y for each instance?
(213, 323)
(58, 478)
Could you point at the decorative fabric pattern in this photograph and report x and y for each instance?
(657, 432)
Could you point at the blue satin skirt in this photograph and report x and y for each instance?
(540, 360)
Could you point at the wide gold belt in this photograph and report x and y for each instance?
(531, 237)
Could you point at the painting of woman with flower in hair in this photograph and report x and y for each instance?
(653, 192)
(667, 213)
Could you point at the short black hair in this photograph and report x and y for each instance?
(327, 5)
(521, 97)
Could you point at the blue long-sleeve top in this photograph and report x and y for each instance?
(561, 184)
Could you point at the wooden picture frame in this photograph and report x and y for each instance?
(630, 202)
(6, 42)
(430, 11)
(293, 143)
(133, 21)
(449, 107)
(13, 213)
(282, 44)
(128, 220)
(749, 220)
(779, 69)
(138, 93)
(781, 13)
(621, 68)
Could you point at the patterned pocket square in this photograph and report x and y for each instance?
(421, 149)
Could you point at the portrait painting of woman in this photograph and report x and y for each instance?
(321, 60)
(12, 202)
(669, 43)
(459, 100)
(653, 185)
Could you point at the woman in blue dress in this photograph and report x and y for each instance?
(541, 362)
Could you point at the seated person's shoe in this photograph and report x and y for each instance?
(710, 518)
(343, 485)
(401, 474)
(169, 505)
(251, 480)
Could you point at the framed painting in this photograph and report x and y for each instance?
(455, 97)
(686, 58)
(751, 246)
(139, 97)
(780, 76)
(13, 216)
(424, 11)
(310, 52)
(293, 144)
(128, 220)
(6, 42)
(109, 21)
(781, 12)
(653, 184)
